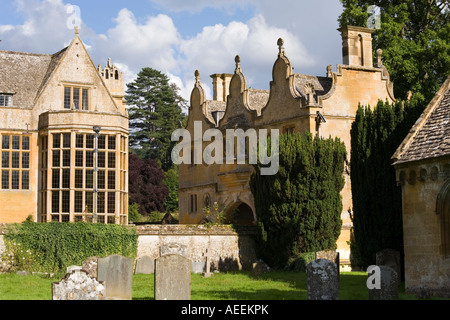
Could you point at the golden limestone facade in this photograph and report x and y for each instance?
(64, 138)
(323, 105)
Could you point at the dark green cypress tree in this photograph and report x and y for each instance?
(377, 203)
(299, 209)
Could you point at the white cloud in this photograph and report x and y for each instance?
(199, 5)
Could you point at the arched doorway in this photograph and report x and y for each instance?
(241, 213)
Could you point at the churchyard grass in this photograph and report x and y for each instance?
(221, 286)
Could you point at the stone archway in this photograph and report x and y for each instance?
(241, 213)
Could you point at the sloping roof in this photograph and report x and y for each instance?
(430, 136)
(25, 74)
(321, 84)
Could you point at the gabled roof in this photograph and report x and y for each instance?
(25, 74)
(430, 135)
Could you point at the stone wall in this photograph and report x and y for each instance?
(229, 249)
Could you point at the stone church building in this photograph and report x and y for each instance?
(422, 164)
(323, 105)
(64, 138)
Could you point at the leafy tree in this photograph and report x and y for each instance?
(415, 39)
(377, 202)
(146, 187)
(171, 181)
(299, 209)
(155, 111)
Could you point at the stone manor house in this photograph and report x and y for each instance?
(64, 138)
(323, 105)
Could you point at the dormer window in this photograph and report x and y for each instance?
(76, 98)
(5, 100)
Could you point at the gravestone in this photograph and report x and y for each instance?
(389, 258)
(117, 273)
(332, 256)
(207, 273)
(145, 265)
(78, 285)
(172, 278)
(173, 248)
(322, 280)
(90, 266)
(388, 284)
(259, 267)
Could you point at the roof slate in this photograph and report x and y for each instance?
(430, 136)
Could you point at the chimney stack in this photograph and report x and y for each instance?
(357, 46)
(221, 86)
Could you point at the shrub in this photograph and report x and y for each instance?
(52, 247)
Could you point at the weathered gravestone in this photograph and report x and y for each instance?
(172, 278)
(382, 283)
(333, 256)
(207, 272)
(145, 265)
(90, 266)
(173, 248)
(259, 267)
(322, 280)
(78, 285)
(117, 273)
(389, 258)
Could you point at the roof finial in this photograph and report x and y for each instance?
(280, 44)
(77, 29)
(197, 76)
(237, 59)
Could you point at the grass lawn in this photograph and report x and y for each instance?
(221, 286)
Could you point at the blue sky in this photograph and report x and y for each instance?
(180, 36)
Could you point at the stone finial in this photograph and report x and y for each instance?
(329, 71)
(280, 44)
(237, 59)
(197, 76)
(77, 30)
(379, 59)
(109, 63)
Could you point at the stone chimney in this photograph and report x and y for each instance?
(357, 46)
(221, 86)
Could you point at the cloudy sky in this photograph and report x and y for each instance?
(180, 36)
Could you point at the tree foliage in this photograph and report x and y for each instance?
(146, 186)
(415, 39)
(377, 202)
(299, 209)
(155, 111)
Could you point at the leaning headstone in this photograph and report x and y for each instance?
(145, 265)
(90, 266)
(117, 273)
(389, 258)
(322, 280)
(387, 282)
(172, 278)
(173, 248)
(207, 272)
(78, 285)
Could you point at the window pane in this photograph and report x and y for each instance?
(5, 179)
(101, 180)
(89, 179)
(5, 142)
(25, 180)
(101, 202)
(55, 178)
(25, 143)
(85, 99)
(55, 201)
(56, 140)
(111, 160)
(15, 162)
(90, 141)
(66, 98)
(5, 159)
(66, 158)
(111, 180)
(66, 140)
(25, 160)
(90, 159)
(66, 178)
(79, 143)
(111, 142)
(89, 202)
(79, 158)
(102, 142)
(65, 201)
(15, 180)
(79, 179)
(78, 201)
(111, 202)
(101, 160)
(16, 142)
(56, 158)
(76, 98)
